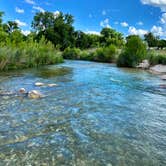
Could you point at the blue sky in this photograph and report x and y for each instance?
(126, 16)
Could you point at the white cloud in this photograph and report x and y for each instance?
(25, 32)
(133, 31)
(140, 23)
(157, 3)
(163, 18)
(124, 24)
(93, 32)
(104, 12)
(20, 23)
(30, 2)
(158, 31)
(56, 13)
(105, 23)
(18, 10)
(39, 9)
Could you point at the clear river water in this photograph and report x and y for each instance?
(97, 115)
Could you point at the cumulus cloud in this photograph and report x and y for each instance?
(93, 32)
(20, 23)
(163, 18)
(39, 9)
(105, 23)
(25, 32)
(18, 10)
(56, 13)
(158, 31)
(124, 24)
(157, 3)
(30, 2)
(133, 31)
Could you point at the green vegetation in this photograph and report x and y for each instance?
(133, 53)
(103, 54)
(29, 54)
(54, 38)
(157, 57)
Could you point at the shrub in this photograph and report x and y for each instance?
(155, 59)
(106, 54)
(133, 53)
(28, 55)
(71, 53)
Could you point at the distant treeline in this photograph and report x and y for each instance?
(54, 36)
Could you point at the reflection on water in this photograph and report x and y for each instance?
(53, 72)
(97, 115)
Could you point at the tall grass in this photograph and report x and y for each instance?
(28, 54)
(156, 57)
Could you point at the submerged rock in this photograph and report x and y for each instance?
(39, 84)
(163, 86)
(163, 77)
(52, 85)
(22, 90)
(144, 64)
(34, 94)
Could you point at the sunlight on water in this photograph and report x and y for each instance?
(97, 115)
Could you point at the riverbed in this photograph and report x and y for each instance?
(97, 114)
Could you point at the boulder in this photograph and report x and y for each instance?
(34, 94)
(39, 84)
(158, 69)
(22, 90)
(144, 64)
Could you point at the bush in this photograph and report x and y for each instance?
(134, 52)
(106, 54)
(71, 53)
(28, 54)
(155, 59)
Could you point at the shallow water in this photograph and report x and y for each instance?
(97, 115)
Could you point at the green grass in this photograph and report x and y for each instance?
(157, 57)
(28, 55)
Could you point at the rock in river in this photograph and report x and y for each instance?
(39, 84)
(158, 69)
(144, 65)
(163, 77)
(34, 94)
(52, 85)
(22, 90)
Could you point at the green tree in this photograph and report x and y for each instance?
(133, 53)
(151, 39)
(55, 28)
(1, 14)
(161, 44)
(10, 26)
(110, 36)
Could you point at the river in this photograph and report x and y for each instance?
(97, 114)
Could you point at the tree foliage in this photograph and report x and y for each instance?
(55, 28)
(133, 53)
